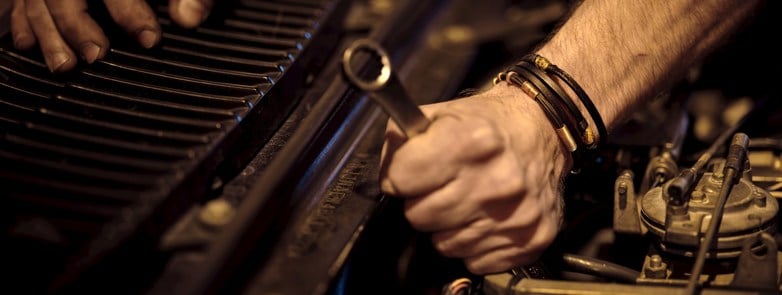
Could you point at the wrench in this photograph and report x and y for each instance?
(386, 89)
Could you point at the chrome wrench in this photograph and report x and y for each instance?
(386, 89)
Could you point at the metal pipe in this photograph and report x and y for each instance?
(604, 269)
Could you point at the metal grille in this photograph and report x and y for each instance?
(82, 154)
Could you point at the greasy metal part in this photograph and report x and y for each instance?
(503, 284)
(731, 174)
(663, 167)
(766, 162)
(748, 210)
(655, 267)
(626, 215)
(758, 270)
(386, 89)
(660, 169)
(600, 268)
(532, 271)
(680, 186)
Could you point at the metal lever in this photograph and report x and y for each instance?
(386, 89)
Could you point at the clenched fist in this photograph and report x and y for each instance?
(484, 179)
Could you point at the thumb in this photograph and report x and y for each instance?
(189, 13)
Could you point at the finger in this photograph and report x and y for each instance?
(24, 38)
(441, 210)
(394, 139)
(136, 18)
(494, 189)
(430, 160)
(480, 237)
(457, 242)
(189, 13)
(519, 253)
(462, 201)
(78, 28)
(59, 56)
(500, 260)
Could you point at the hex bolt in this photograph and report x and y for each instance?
(656, 269)
(656, 261)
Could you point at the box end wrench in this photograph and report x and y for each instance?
(386, 89)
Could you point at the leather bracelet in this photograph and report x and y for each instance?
(539, 95)
(569, 111)
(565, 129)
(545, 65)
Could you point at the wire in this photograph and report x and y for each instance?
(601, 268)
(733, 167)
(460, 286)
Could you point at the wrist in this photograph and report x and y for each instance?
(529, 122)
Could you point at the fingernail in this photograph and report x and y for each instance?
(192, 11)
(147, 38)
(90, 52)
(57, 60)
(19, 42)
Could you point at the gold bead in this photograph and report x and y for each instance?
(589, 137)
(542, 62)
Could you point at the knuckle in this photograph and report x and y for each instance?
(36, 15)
(448, 246)
(528, 217)
(132, 17)
(124, 19)
(478, 267)
(483, 138)
(18, 12)
(511, 187)
(418, 221)
(438, 204)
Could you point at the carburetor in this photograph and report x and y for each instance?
(748, 211)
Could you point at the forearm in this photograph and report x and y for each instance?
(624, 52)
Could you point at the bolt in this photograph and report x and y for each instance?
(717, 176)
(697, 196)
(216, 213)
(657, 269)
(656, 261)
(622, 188)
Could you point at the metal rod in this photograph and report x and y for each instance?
(604, 269)
(733, 167)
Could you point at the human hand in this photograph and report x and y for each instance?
(484, 178)
(61, 27)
